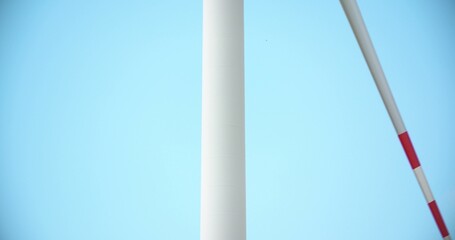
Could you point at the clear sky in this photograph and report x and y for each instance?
(100, 113)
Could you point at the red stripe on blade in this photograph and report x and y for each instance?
(438, 218)
(409, 149)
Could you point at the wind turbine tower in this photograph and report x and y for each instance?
(223, 215)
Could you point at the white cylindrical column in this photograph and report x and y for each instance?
(223, 215)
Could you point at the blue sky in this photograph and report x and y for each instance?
(100, 112)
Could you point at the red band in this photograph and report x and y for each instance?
(409, 149)
(438, 218)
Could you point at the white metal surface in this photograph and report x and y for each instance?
(223, 215)
(423, 183)
(361, 33)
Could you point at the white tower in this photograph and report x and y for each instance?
(223, 215)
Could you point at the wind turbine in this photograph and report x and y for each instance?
(223, 212)
(363, 38)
